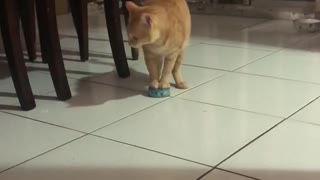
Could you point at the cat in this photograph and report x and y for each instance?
(162, 28)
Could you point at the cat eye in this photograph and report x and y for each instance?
(134, 38)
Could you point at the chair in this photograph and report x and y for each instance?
(49, 40)
(134, 51)
(10, 10)
(80, 16)
(9, 23)
(50, 46)
(79, 10)
(27, 16)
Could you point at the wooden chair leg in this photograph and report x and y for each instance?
(50, 46)
(112, 13)
(10, 32)
(27, 15)
(134, 51)
(79, 11)
(43, 36)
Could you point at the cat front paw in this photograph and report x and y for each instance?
(164, 85)
(154, 84)
(182, 85)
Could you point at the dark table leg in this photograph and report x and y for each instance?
(79, 10)
(50, 47)
(9, 22)
(27, 15)
(112, 13)
(134, 51)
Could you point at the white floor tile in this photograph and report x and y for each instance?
(310, 43)
(289, 151)
(92, 106)
(97, 65)
(289, 64)
(258, 94)
(194, 131)
(97, 159)
(208, 25)
(199, 132)
(139, 78)
(309, 114)
(270, 35)
(100, 61)
(22, 139)
(97, 47)
(221, 57)
(96, 23)
(41, 84)
(222, 175)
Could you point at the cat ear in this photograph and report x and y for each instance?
(131, 6)
(146, 19)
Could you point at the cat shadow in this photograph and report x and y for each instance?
(85, 92)
(110, 88)
(16, 106)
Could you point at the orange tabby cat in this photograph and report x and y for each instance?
(162, 28)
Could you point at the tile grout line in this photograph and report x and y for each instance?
(270, 54)
(273, 77)
(202, 67)
(226, 107)
(151, 150)
(84, 135)
(90, 134)
(129, 89)
(125, 117)
(39, 121)
(43, 122)
(304, 122)
(159, 103)
(235, 71)
(231, 172)
(258, 137)
(235, 47)
(252, 74)
(67, 128)
(232, 71)
(169, 98)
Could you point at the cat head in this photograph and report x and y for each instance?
(142, 28)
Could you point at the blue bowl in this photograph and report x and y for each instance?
(159, 93)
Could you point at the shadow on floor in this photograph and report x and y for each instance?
(102, 173)
(68, 171)
(84, 93)
(94, 94)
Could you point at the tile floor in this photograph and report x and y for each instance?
(252, 110)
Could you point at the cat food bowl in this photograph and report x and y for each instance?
(307, 25)
(159, 93)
